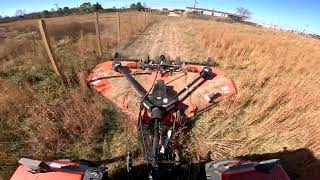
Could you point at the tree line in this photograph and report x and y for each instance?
(84, 8)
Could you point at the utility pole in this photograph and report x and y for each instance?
(56, 6)
(195, 2)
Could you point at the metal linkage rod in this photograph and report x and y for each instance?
(118, 67)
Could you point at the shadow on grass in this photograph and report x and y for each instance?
(167, 172)
(299, 164)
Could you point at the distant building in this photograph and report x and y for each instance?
(214, 13)
(174, 14)
(179, 10)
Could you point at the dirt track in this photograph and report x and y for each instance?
(171, 36)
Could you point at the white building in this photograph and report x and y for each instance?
(213, 13)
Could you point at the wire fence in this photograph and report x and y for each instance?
(116, 29)
(73, 38)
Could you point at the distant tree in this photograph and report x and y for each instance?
(114, 7)
(96, 7)
(0, 17)
(137, 7)
(244, 12)
(59, 12)
(20, 13)
(66, 10)
(133, 6)
(7, 18)
(140, 7)
(74, 10)
(85, 7)
(45, 14)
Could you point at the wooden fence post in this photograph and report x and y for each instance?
(145, 19)
(98, 34)
(131, 31)
(118, 23)
(81, 43)
(50, 52)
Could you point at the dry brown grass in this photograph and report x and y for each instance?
(69, 127)
(41, 118)
(60, 28)
(277, 103)
(276, 75)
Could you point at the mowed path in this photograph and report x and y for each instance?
(169, 36)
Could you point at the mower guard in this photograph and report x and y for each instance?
(113, 86)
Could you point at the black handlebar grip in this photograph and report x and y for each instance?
(116, 65)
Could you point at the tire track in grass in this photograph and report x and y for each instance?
(169, 36)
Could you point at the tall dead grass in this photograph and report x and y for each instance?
(277, 102)
(133, 23)
(39, 117)
(70, 127)
(62, 30)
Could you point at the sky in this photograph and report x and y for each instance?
(294, 14)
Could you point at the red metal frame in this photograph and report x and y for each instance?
(198, 101)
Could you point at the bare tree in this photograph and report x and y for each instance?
(20, 12)
(246, 13)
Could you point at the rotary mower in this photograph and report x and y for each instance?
(159, 96)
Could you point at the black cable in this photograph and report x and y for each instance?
(154, 81)
(140, 110)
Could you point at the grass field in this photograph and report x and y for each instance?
(40, 117)
(277, 78)
(275, 111)
(277, 104)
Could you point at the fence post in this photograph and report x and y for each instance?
(118, 23)
(131, 31)
(145, 19)
(81, 43)
(50, 52)
(98, 34)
